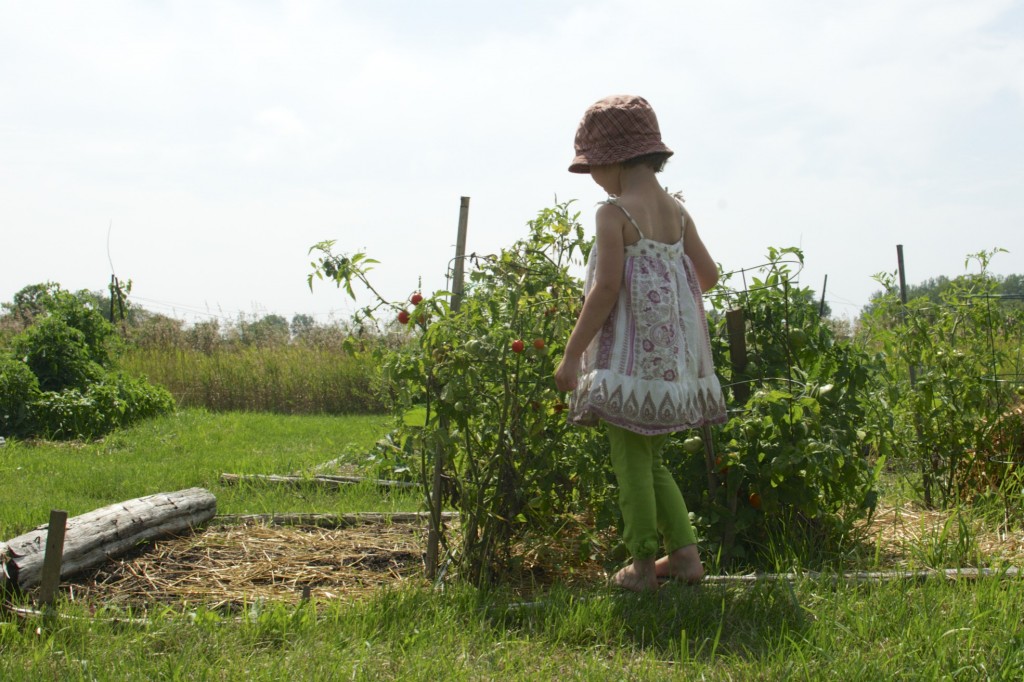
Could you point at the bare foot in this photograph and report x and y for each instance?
(683, 565)
(639, 576)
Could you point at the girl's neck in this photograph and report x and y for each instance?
(637, 180)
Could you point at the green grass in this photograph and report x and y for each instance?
(192, 448)
(816, 629)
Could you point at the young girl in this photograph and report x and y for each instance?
(639, 359)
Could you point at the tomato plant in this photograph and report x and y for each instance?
(512, 466)
(941, 400)
(791, 461)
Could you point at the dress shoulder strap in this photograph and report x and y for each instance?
(678, 196)
(614, 201)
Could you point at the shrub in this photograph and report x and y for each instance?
(78, 311)
(67, 414)
(113, 402)
(19, 388)
(57, 354)
(55, 383)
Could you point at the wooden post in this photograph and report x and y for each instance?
(113, 289)
(926, 474)
(735, 322)
(460, 255)
(54, 556)
(736, 326)
(434, 532)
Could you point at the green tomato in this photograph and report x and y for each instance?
(797, 338)
(693, 444)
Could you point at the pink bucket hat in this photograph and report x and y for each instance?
(616, 129)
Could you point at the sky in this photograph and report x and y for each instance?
(199, 149)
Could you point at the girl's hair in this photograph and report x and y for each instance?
(655, 161)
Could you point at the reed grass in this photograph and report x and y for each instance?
(286, 379)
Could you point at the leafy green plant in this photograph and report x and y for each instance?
(481, 372)
(791, 462)
(79, 311)
(939, 397)
(71, 394)
(57, 354)
(114, 401)
(19, 388)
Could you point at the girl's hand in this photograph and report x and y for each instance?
(567, 374)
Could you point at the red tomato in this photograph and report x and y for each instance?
(518, 346)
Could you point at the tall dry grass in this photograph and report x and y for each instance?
(293, 379)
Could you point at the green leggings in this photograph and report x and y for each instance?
(648, 495)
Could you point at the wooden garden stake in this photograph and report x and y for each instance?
(434, 533)
(53, 558)
(460, 255)
(926, 473)
(735, 324)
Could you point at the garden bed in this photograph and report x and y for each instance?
(243, 561)
(230, 565)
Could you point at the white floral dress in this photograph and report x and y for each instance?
(649, 368)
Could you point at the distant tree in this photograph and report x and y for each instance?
(31, 301)
(302, 325)
(934, 288)
(158, 331)
(203, 336)
(1013, 285)
(270, 330)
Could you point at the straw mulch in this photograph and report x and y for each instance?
(228, 566)
(900, 533)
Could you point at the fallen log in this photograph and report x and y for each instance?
(95, 537)
(326, 481)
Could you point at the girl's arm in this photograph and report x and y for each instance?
(600, 299)
(704, 265)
